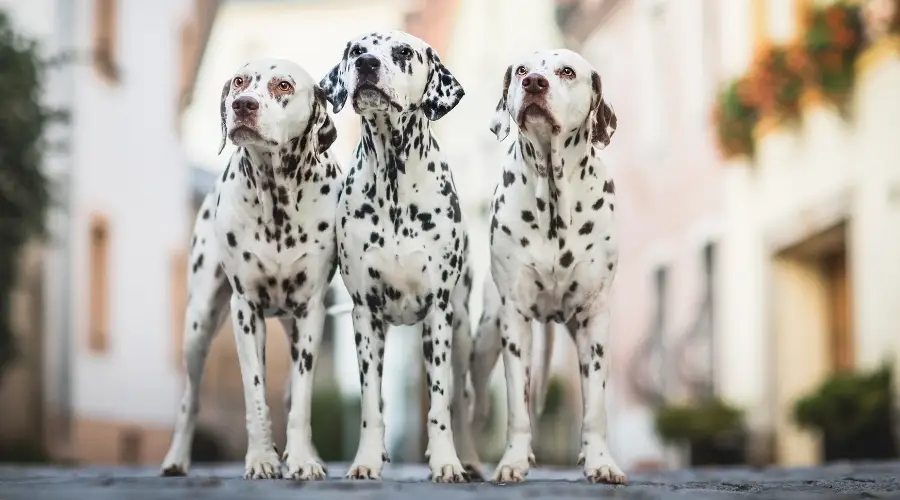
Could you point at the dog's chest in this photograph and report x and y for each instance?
(551, 270)
(411, 248)
(279, 246)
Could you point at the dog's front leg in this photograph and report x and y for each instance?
(305, 335)
(591, 337)
(369, 338)
(250, 338)
(437, 346)
(515, 338)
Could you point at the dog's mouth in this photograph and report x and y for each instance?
(537, 112)
(244, 133)
(369, 96)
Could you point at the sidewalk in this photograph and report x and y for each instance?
(408, 482)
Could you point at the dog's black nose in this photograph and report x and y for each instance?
(535, 84)
(367, 63)
(244, 106)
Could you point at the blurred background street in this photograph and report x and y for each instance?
(756, 309)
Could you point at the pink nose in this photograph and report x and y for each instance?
(535, 84)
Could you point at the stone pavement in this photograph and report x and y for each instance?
(401, 482)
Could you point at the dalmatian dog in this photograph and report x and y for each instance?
(402, 241)
(553, 247)
(264, 246)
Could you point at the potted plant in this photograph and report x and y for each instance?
(713, 430)
(833, 40)
(852, 411)
(778, 77)
(735, 117)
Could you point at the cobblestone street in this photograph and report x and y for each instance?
(408, 482)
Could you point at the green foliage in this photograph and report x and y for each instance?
(734, 118)
(847, 404)
(701, 422)
(834, 40)
(24, 188)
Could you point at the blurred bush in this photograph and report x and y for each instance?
(853, 413)
(713, 430)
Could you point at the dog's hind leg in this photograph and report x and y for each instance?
(208, 295)
(484, 356)
(460, 405)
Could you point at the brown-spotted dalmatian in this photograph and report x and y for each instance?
(263, 246)
(402, 241)
(553, 248)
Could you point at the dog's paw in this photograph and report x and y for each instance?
(602, 470)
(513, 467)
(263, 465)
(507, 473)
(173, 470)
(363, 472)
(449, 473)
(304, 469)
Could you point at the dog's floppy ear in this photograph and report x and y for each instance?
(604, 118)
(326, 133)
(333, 83)
(222, 113)
(442, 92)
(500, 122)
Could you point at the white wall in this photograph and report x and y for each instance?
(124, 159)
(129, 165)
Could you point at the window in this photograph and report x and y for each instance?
(105, 36)
(648, 367)
(98, 328)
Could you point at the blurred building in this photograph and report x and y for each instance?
(658, 64)
(753, 280)
(103, 381)
(811, 278)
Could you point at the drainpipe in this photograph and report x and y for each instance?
(65, 33)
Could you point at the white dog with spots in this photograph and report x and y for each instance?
(263, 246)
(402, 241)
(553, 248)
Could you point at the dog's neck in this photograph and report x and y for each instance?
(552, 163)
(274, 176)
(393, 151)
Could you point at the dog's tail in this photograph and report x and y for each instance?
(542, 381)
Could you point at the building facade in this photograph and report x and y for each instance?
(108, 364)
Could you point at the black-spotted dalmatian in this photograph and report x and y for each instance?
(264, 245)
(402, 241)
(553, 247)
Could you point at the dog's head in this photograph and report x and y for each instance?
(553, 92)
(269, 102)
(392, 71)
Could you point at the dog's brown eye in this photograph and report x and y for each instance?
(406, 52)
(569, 72)
(356, 51)
(285, 86)
(520, 71)
(238, 81)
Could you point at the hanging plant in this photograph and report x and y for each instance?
(735, 116)
(778, 77)
(834, 40)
